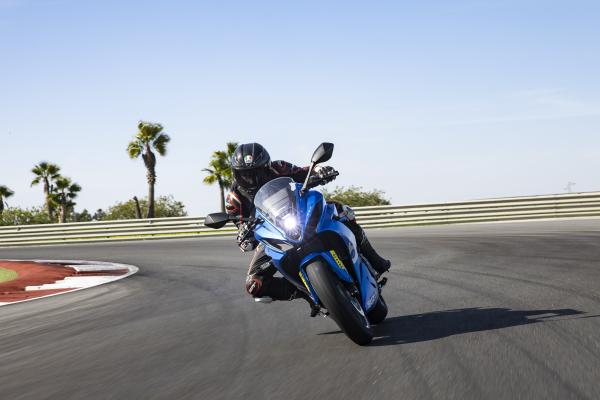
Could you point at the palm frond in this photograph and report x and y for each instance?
(148, 131)
(149, 134)
(5, 192)
(54, 199)
(231, 146)
(220, 166)
(74, 189)
(45, 170)
(211, 178)
(160, 143)
(63, 182)
(53, 171)
(134, 149)
(43, 165)
(63, 191)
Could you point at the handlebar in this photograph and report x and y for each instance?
(315, 181)
(250, 224)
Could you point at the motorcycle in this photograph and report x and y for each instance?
(313, 249)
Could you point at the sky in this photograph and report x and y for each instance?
(428, 101)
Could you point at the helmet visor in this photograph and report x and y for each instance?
(250, 178)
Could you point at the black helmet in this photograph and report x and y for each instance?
(251, 166)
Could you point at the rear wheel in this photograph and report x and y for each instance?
(378, 312)
(343, 308)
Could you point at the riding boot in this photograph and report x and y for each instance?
(279, 289)
(378, 263)
(347, 217)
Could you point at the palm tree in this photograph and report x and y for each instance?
(149, 136)
(63, 194)
(219, 170)
(46, 173)
(5, 193)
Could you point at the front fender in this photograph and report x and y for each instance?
(332, 259)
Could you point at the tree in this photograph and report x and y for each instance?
(219, 170)
(46, 173)
(354, 196)
(5, 193)
(166, 206)
(63, 194)
(149, 136)
(24, 216)
(83, 216)
(99, 215)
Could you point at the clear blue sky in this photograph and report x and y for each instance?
(428, 100)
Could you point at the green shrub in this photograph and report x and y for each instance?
(164, 206)
(83, 216)
(354, 196)
(24, 216)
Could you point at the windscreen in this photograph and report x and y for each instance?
(276, 200)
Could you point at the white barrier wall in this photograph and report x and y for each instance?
(504, 209)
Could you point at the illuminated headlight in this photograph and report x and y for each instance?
(290, 223)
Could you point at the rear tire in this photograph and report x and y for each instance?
(379, 312)
(339, 302)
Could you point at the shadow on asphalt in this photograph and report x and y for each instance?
(441, 324)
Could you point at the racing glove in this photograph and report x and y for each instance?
(245, 239)
(325, 172)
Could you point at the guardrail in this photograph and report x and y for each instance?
(504, 209)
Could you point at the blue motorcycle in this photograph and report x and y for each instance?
(313, 249)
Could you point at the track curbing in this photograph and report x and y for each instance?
(77, 266)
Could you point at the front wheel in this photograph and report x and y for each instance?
(345, 309)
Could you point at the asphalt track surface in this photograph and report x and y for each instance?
(494, 311)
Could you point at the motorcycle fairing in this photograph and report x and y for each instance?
(318, 220)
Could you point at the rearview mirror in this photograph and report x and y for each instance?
(322, 153)
(216, 220)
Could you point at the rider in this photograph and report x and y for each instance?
(252, 168)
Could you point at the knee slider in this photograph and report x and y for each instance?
(254, 284)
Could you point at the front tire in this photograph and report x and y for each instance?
(343, 308)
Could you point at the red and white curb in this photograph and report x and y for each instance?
(75, 283)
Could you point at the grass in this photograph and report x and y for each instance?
(7, 275)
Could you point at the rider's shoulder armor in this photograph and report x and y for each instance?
(284, 168)
(233, 204)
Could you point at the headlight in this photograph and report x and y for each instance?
(290, 223)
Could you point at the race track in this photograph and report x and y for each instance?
(491, 311)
